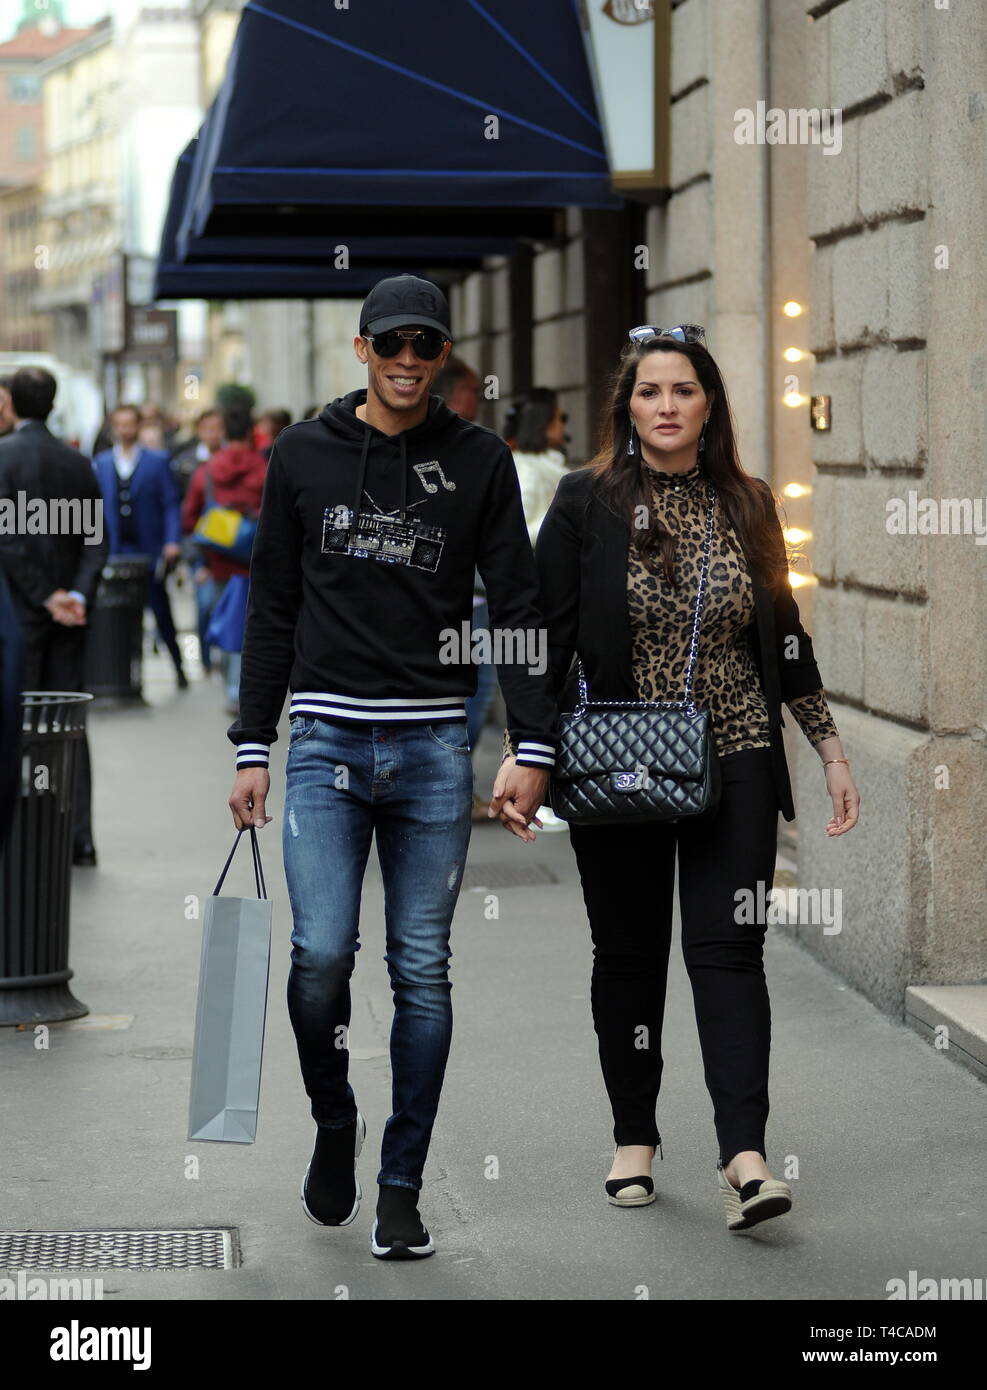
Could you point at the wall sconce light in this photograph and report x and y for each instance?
(820, 415)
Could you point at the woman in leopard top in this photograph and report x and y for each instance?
(619, 558)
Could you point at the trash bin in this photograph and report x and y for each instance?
(36, 863)
(115, 636)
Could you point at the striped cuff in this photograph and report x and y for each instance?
(252, 755)
(530, 754)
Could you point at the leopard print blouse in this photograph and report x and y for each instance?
(726, 677)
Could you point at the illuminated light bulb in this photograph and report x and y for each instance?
(796, 490)
(795, 535)
(793, 355)
(801, 581)
(792, 308)
(794, 398)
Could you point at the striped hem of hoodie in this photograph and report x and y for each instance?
(419, 711)
(359, 710)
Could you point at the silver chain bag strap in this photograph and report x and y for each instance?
(621, 761)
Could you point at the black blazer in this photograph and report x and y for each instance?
(582, 555)
(32, 460)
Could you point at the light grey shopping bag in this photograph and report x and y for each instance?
(230, 1013)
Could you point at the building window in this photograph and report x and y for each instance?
(24, 87)
(26, 143)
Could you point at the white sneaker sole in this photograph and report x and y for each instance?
(361, 1134)
(384, 1251)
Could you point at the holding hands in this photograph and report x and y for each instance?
(517, 794)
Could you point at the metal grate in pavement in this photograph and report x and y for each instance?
(162, 1249)
(506, 875)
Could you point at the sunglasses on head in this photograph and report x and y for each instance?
(426, 342)
(683, 332)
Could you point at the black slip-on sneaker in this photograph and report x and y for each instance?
(361, 1134)
(398, 1231)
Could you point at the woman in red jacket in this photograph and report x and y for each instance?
(236, 474)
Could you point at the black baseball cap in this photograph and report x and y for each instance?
(405, 299)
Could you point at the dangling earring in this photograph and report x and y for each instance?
(631, 448)
(702, 435)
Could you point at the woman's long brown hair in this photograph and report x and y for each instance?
(624, 488)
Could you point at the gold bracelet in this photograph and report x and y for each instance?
(836, 760)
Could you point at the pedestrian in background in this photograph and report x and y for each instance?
(156, 430)
(622, 595)
(143, 516)
(11, 685)
(459, 386)
(535, 432)
(235, 477)
(6, 411)
(52, 577)
(207, 440)
(269, 426)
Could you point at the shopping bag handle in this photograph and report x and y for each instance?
(258, 871)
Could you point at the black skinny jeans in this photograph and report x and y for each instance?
(627, 875)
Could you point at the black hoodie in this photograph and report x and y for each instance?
(367, 618)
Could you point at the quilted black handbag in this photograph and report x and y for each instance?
(621, 761)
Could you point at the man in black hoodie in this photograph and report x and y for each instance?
(374, 517)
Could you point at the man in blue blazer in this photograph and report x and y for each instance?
(142, 510)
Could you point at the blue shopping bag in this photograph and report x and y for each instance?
(229, 617)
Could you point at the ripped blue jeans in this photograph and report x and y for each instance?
(413, 786)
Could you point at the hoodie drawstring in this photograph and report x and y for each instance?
(404, 476)
(362, 476)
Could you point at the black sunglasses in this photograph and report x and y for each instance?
(426, 342)
(684, 332)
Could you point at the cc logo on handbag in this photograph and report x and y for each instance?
(627, 781)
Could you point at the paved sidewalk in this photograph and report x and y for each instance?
(888, 1133)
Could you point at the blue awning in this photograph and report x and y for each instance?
(272, 236)
(175, 279)
(433, 118)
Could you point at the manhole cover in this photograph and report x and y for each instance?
(189, 1249)
(506, 875)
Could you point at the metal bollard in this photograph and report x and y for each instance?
(115, 631)
(36, 864)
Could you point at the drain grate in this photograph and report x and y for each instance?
(506, 875)
(188, 1249)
